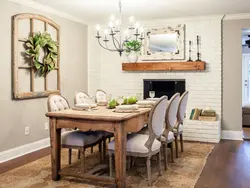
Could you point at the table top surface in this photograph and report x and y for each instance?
(101, 113)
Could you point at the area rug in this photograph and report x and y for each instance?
(183, 173)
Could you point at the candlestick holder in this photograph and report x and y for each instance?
(190, 51)
(198, 48)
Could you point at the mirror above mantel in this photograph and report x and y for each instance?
(164, 43)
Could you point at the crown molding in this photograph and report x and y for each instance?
(47, 9)
(177, 19)
(242, 16)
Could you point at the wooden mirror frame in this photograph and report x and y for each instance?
(160, 56)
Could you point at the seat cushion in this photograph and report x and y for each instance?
(136, 142)
(79, 138)
(170, 136)
(246, 108)
(180, 128)
(107, 134)
(144, 130)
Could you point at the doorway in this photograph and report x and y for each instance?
(246, 83)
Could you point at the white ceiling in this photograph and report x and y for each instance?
(98, 11)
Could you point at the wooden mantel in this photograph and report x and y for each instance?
(164, 66)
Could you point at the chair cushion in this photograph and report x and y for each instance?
(144, 130)
(170, 136)
(180, 128)
(107, 134)
(246, 108)
(136, 142)
(79, 138)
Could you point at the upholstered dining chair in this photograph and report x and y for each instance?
(178, 129)
(142, 145)
(80, 96)
(101, 96)
(171, 121)
(74, 139)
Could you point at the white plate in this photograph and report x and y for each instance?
(152, 99)
(84, 105)
(145, 102)
(127, 107)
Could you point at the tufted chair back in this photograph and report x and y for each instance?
(157, 119)
(101, 96)
(57, 103)
(171, 115)
(182, 107)
(80, 97)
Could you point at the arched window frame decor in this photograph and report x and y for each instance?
(15, 53)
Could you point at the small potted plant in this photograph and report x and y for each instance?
(132, 49)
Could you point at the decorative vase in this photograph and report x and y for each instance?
(132, 57)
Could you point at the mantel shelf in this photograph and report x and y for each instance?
(164, 66)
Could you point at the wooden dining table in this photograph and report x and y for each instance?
(99, 119)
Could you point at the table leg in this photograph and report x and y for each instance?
(55, 148)
(120, 155)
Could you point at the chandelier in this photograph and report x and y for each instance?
(116, 35)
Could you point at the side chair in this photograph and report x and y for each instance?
(142, 145)
(74, 139)
(170, 120)
(178, 129)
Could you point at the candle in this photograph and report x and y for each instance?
(105, 33)
(98, 29)
(198, 50)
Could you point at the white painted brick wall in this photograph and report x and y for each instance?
(204, 86)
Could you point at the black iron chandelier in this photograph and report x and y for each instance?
(117, 35)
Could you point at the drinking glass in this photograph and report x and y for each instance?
(120, 100)
(152, 94)
(109, 97)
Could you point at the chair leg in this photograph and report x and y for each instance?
(110, 164)
(128, 164)
(165, 152)
(159, 163)
(79, 154)
(100, 151)
(176, 146)
(92, 149)
(82, 160)
(149, 171)
(172, 151)
(181, 140)
(104, 147)
(70, 154)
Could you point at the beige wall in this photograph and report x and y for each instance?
(15, 115)
(232, 73)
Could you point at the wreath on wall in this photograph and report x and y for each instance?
(35, 44)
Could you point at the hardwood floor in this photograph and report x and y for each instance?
(228, 166)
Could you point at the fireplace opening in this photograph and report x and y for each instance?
(162, 87)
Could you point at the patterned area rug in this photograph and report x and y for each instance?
(183, 173)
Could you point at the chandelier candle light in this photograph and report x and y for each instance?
(115, 34)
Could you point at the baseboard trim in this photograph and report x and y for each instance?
(232, 135)
(23, 150)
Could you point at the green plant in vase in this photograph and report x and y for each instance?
(132, 49)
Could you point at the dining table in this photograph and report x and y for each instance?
(100, 119)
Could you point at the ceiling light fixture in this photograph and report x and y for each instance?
(116, 35)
